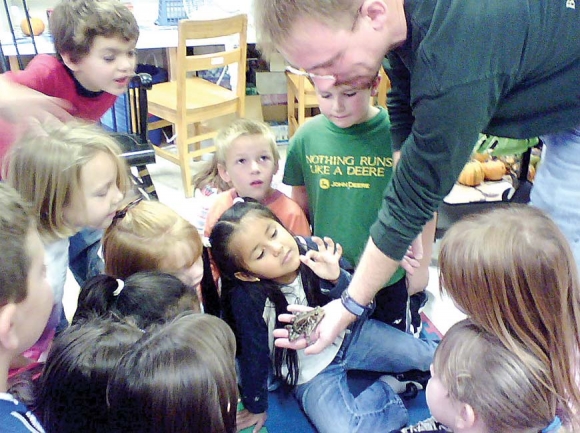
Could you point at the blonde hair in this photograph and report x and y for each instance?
(226, 136)
(45, 168)
(274, 18)
(512, 271)
(502, 388)
(145, 240)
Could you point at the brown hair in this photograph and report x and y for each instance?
(512, 271)
(16, 223)
(180, 377)
(145, 240)
(502, 388)
(74, 24)
(274, 18)
(45, 168)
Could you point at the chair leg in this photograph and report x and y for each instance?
(183, 154)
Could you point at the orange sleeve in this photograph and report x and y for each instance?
(291, 215)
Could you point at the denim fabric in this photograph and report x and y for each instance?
(84, 260)
(556, 188)
(374, 346)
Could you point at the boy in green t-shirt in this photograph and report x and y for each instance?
(338, 165)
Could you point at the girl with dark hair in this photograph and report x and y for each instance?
(180, 377)
(263, 269)
(71, 392)
(148, 297)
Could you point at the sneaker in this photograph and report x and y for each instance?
(416, 304)
(428, 425)
(407, 384)
(418, 377)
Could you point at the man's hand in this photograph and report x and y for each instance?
(245, 419)
(336, 319)
(324, 262)
(18, 103)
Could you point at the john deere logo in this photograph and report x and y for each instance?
(324, 183)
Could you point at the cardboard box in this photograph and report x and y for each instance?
(275, 113)
(254, 108)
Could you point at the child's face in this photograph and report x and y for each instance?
(189, 274)
(95, 204)
(345, 106)
(250, 167)
(108, 66)
(33, 312)
(442, 406)
(267, 249)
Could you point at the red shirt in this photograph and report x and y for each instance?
(47, 74)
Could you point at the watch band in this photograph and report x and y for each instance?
(354, 307)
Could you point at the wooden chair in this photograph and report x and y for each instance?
(302, 96)
(384, 87)
(136, 148)
(191, 100)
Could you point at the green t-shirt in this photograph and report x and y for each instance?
(345, 172)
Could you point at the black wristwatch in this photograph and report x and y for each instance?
(354, 307)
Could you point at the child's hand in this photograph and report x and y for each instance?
(245, 419)
(414, 253)
(324, 262)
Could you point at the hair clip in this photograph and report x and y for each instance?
(120, 287)
(120, 214)
(554, 425)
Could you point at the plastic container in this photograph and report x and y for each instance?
(170, 12)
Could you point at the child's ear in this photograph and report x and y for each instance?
(466, 417)
(8, 337)
(223, 172)
(66, 59)
(244, 276)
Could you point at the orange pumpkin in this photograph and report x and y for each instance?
(472, 174)
(481, 157)
(531, 173)
(493, 170)
(37, 26)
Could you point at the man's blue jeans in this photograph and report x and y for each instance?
(373, 346)
(556, 188)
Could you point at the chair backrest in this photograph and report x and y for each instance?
(137, 94)
(135, 146)
(384, 87)
(209, 29)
